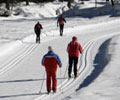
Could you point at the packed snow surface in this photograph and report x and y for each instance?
(22, 77)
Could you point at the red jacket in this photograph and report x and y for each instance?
(61, 21)
(51, 60)
(74, 48)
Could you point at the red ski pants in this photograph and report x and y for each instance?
(51, 75)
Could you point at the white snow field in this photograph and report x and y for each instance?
(22, 77)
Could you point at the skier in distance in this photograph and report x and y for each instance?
(61, 21)
(37, 30)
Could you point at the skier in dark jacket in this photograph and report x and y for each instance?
(51, 62)
(61, 21)
(37, 30)
(73, 50)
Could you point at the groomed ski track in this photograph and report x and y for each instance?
(84, 70)
(20, 55)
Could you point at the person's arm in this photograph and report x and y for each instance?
(68, 47)
(57, 22)
(43, 59)
(41, 26)
(80, 48)
(35, 28)
(59, 61)
(64, 20)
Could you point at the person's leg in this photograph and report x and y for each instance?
(36, 37)
(75, 66)
(48, 81)
(39, 39)
(61, 30)
(54, 81)
(70, 66)
(39, 36)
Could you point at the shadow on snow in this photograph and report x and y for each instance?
(101, 60)
(18, 95)
(26, 80)
(27, 94)
(106, 9)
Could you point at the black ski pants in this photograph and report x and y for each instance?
(38, 36)
(72, 60)
(61, 29)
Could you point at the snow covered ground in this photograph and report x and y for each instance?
(22, 76)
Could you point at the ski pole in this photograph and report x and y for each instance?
(80, 62)
(42, 82)
(61, 81)
(66, 70)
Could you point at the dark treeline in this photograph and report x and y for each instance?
(36, 1)
(8, 2)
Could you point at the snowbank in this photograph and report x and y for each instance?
(41, 10)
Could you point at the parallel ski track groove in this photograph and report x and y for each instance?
(67, 83)
(83, 61)
(19, 57)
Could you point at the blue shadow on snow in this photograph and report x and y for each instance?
(101, 60)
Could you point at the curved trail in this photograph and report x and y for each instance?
(24, 72)
(83, 69)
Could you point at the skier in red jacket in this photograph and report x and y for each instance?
(73, 50)
(61, 21)
(37, 30)
(50, 61)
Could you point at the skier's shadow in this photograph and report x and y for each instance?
(101, 60)
(27, 80)
(18, 95)
(24, 94)
(24, 80)
(19, 81)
